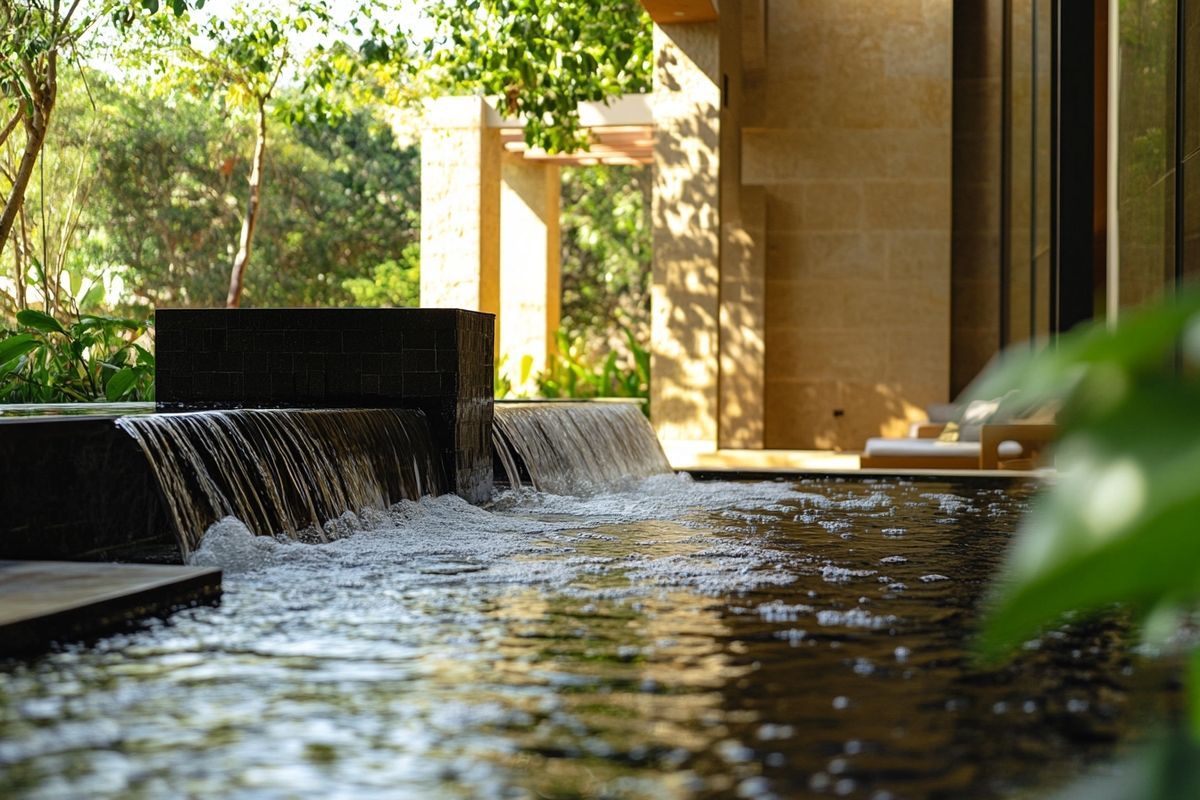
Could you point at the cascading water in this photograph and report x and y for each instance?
(576, 448)
(284, 470)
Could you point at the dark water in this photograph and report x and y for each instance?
(676, 640)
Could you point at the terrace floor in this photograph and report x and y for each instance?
(807, 462)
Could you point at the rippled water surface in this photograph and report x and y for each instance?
(678, 639)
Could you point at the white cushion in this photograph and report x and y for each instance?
(1009, 449)
(921, 447)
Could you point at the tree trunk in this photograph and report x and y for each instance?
(238, 274)
(35, 136)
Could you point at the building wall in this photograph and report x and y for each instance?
(975, 244)
(849, 134)
(685, 284)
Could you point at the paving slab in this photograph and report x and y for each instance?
(56, 601)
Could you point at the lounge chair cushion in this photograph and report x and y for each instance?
(932, 448)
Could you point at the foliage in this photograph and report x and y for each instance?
(37, 40)
(570, 374)
(392, 282)
(38, 269)
(606, 254)
(92, 358)
(1119, 526)
(541, 58)
(162, 178)
(242, 61)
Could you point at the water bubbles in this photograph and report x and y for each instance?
(893, 560)
(902, 653)
(734, 751)
(771, 732)
(893, 532)
(793, 636)
(831, 573)
(933, 578)
(778, 611)
(756, 787)
(854, 618)
(841, 702)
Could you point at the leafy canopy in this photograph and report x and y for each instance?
(539, 59)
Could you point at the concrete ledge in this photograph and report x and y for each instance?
(51, 601)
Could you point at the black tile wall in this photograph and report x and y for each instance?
(79, 489)
(437, 360)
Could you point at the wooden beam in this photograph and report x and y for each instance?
(669, 12)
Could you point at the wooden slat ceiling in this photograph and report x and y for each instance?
(667, 12)
(610, 144)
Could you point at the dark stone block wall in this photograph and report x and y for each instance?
(79, 489)
(437, 360)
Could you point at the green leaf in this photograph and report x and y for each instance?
(16, 346)
(121, 382)
(39, 321)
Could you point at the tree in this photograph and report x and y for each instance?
(36, 37)
(166, 204)
(541, 58)
(246, 59)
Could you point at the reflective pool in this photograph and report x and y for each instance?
(676, 639)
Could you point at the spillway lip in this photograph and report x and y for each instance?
(27, 412)
(640, 401)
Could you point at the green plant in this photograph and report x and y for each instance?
(605, 254)
(91, 358)
(1119, 525)
(570, 374)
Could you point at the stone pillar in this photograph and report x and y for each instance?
(530, 270)
(685, 292)
(460, 206)
(743, 229)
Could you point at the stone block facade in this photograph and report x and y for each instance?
(436, 360)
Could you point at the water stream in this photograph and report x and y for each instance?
(284, 471)
(576, 448)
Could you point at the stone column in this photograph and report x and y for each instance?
(460, 206)
(530, 271)
(743, 229)
(685, 295)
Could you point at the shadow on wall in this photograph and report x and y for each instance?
(686, 220)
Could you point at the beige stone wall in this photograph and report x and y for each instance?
(684, 337)
(460, 207)
(850, 138)
(530, 272)
(742, 306)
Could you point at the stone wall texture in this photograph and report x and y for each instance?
(436, 360)
(848, 131)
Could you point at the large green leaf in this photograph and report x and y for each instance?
(14, 347)
(120, 384)
(39, 321)
(1120, 525)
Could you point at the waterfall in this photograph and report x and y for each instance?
(576, 448)
(284, 470)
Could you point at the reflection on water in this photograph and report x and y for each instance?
(683, 640)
